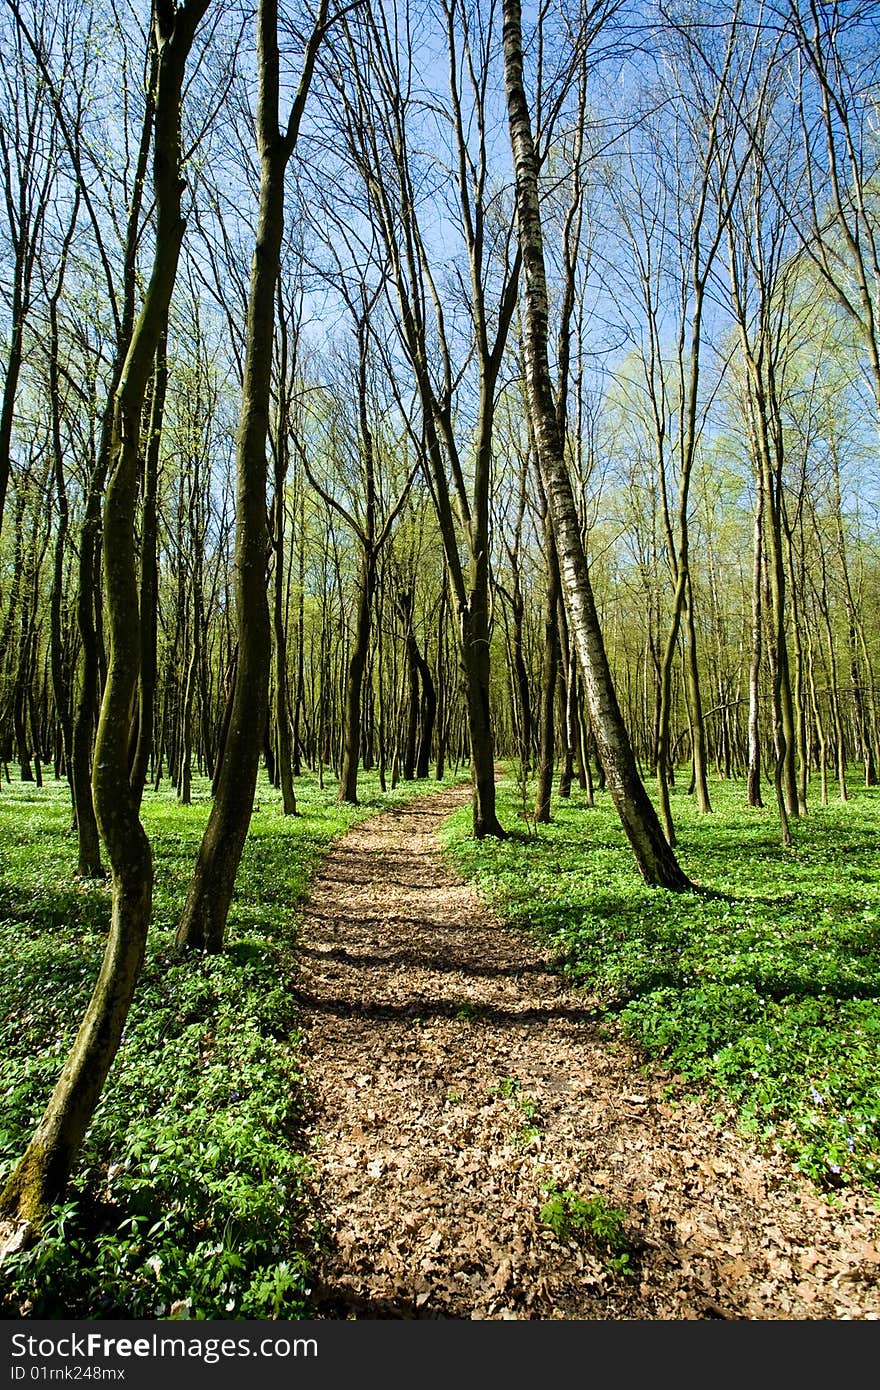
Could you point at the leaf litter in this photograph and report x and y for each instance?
(456, 1080)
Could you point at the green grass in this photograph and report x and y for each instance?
(188, 1197)
(763, 990)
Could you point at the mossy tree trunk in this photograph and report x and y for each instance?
(203, 922)
(88, 596)
(41, 1175)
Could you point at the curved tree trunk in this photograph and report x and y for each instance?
(88, 598)
(786, 782)
(42, 1173)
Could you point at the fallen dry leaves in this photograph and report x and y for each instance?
(455, 1077)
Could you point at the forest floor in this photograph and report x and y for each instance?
(478, 1122)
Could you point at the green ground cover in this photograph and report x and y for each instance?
(188, 1198)
(764, 990)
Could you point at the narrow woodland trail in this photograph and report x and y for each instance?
(454, 1077)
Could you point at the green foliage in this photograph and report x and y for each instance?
(762, 988)
(189, 1197)
(592, 1220)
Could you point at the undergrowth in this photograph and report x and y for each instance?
(763, 989)
(188, 1198)
(593, 1220)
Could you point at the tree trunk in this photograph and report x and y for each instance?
(149, 583)
(282, 718)
(203, 922)
(41, 1175)
(184, 782)
(60, 683)
(754, 773)
(783, 707)
(427, 714)
(654, 857)
(475, 660)
(89, 862)
(351, 738)
(283, 759)
(549, 679)
(695, 704)
(443, 700)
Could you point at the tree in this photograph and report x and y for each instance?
(203, 921)
(379, 114)
(654, 856)
(28, 173)
(40, 1177)
(839, 234)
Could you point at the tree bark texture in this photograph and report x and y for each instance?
(655, 858)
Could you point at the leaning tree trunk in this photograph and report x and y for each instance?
(42, 1173)
(655, 858)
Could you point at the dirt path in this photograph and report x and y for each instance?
(455, 1078)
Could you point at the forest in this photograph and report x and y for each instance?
(439, 624)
